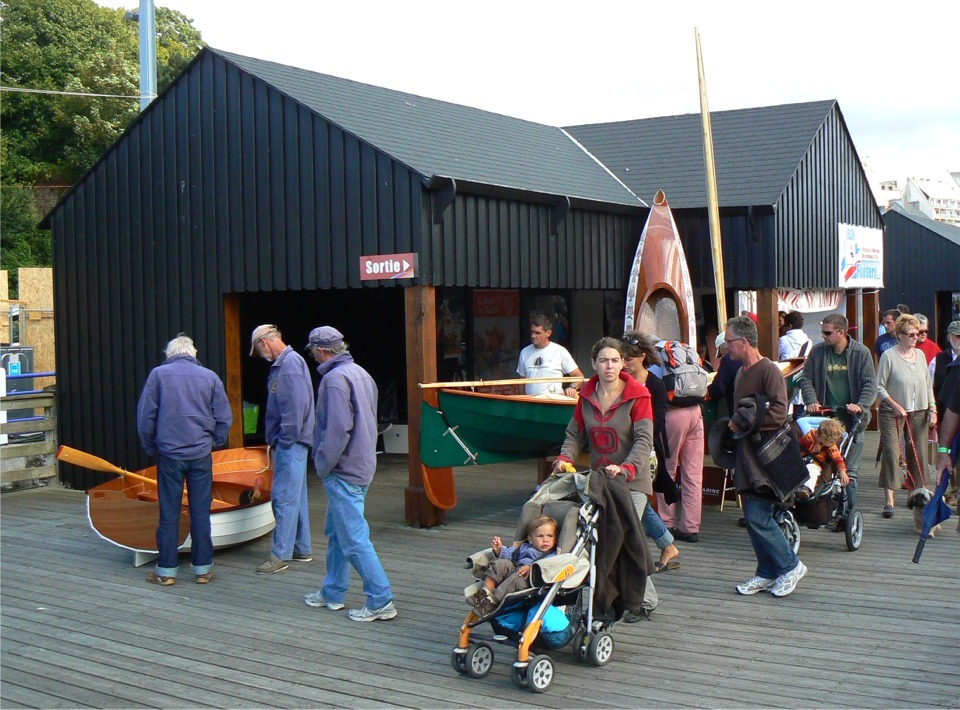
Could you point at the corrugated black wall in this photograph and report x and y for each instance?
(222, 186)
(491, 242)
(828, 187)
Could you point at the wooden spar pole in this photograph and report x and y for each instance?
(712, 201)
(499, 383)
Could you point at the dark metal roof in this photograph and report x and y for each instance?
(947, 231)
(756, 152)
(436, 138)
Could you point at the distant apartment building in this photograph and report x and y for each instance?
(937, 198)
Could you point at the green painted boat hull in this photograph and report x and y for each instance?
(495, 428)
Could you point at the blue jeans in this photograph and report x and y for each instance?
(852, 460)
(171, 474)
(348, 540)
(288, 497)
(774, 554)
(652, 523)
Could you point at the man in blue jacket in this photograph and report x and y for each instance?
(345, 456)
(182, 415)
(289, 422)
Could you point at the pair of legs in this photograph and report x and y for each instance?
(654, 528)
(348, 543)
(775, 557)
(289, 501)
(890, 429)
(685, 439)
(171, 476)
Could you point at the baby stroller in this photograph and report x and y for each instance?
(557, 610)
(829, 505)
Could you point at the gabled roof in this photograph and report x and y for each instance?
(756, 151)
(947, 231)
(436, 138)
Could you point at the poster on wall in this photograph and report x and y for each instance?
(861, 256)
(496, 339)
(955, 305)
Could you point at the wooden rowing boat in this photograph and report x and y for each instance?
(659, 290)
(125, 512)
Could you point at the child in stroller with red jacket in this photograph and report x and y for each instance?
(821, 447)
(510, 572)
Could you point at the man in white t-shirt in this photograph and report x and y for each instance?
(543, 358)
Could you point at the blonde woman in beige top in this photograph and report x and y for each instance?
(905, 394)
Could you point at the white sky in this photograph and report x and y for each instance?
(891, 65)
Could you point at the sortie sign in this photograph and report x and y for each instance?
(388, 266)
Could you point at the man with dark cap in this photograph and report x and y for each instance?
(345, 456)
(289, 423)
(183, 414)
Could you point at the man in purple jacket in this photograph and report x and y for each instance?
(289, 423)
(183, 414)
(345, 456)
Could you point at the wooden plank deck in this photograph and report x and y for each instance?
(80, 627)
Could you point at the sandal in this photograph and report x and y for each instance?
(666, 567)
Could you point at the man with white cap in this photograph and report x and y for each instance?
(289, 423)
(345, 456)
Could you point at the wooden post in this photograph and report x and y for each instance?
(421, 319)
(769, 325)
(233, 352)
(871, 326)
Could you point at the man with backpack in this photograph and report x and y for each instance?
(686, 383)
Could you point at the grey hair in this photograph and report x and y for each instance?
(337, 349)
(181, 345)
(743, 327)
(922, 319)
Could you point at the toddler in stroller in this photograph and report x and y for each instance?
(551, 604)
(824, 500)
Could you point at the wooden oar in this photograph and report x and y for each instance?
(499, 383)
(95, 463)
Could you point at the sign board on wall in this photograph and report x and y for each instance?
(861, 256)
(388, 266)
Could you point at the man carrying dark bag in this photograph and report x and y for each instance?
(769, 467)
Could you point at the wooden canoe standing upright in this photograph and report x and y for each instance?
(659, 291)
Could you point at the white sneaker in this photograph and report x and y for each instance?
(316, 599)
(787, 582)
(756, 584)
(384, 613)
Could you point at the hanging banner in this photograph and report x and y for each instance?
(861, 256)
(815, 301)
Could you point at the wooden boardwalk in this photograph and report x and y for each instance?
(80, 627)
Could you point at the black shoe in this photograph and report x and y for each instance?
(685, 537)
(635, 615)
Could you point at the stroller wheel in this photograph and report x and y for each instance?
(518, 674)
(601, 648)
(459, 662)
(791, 530)
(479, 660)
(540, 673)
(854, 530)
(581, 645)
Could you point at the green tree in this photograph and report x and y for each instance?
(51, 140)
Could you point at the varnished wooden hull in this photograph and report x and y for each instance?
(125, 511)
(659, 290)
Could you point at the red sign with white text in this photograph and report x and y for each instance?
(388, 266)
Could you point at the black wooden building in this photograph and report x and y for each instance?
(248, 191)
(921, 267)
(786, 176)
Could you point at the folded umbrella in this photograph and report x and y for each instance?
(935, 512)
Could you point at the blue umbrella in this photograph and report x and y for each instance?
(934, 513)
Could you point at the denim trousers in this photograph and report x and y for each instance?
(651, 599)
(774, 555)
(171, 475)
(289, 502)
(348, 541)
(652, 523)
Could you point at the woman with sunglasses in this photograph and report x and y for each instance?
(925, 343)
(906, 404)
